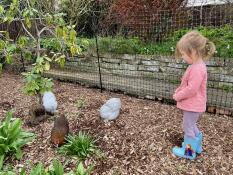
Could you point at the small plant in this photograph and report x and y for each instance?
(81, 145)
(80, 170)
(81, 103)
(12, 138)
(57, 169)
(38, 170)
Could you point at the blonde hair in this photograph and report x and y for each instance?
(194, 41)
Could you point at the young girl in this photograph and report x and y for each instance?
(191, 94)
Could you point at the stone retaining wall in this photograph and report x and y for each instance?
(151, 66)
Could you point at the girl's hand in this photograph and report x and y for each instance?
(175, 97)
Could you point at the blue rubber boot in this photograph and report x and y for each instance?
(188, 149)
(199, 148)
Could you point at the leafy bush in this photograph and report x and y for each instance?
(118, 45)
(81, 145)
(12, 138)
(222, 38)
(52, 44)
(84, 43)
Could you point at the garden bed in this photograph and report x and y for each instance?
(138, 142)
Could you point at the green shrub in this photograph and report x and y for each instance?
(84, 43)
(52, 44)
(222, 37)
(12, 138)
(81, 145)
(118, 45)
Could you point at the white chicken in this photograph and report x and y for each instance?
(111, 109)
(49, 102)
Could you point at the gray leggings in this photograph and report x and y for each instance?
(190, 123)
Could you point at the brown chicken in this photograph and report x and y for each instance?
(60, 130)
(37, 114)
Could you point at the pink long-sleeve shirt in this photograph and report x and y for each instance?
(191, 94)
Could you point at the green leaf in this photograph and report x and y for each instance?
(8, 118)
(1, 161)
(25, 12)
(62, 60)
(58, 168)
(48, 59)
(23, 171)
(22, 41)
(2, 45)
(65, 33)
(15, 129)
(73, 50)
(3, 149)
(48, 18)
(72, 36)
(1, 68)
(39, 60)
(28, 22)
(19, 154)
(80, 169)
(9, 58)
(28, 55)
(9, 18)
(38, 170)
(59, 32)
(47, 66)
(15, 2)
(1, 10)
(11, 48)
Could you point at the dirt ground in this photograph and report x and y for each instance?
(138, 142)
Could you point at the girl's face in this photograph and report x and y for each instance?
(188, 59)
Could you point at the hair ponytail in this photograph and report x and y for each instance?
(209, 49)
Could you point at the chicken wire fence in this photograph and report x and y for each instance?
(133, 53)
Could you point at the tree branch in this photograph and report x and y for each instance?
(25, 29)
(46, 29)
